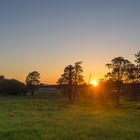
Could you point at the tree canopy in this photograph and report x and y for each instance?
(71, 77)
(33, 81)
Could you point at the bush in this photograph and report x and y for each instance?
(12, 87)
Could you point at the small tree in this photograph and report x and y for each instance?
(2, 77)
(33, 81)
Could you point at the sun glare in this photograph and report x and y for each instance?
(94, 83)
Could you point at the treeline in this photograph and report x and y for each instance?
(123, 79)
(124, 76)
(11, 86)
(15, 87)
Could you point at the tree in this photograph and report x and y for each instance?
(2, 77)
(118, 74)
(71, 77)
(78, 77)
(131, 73)
(33, 81)
(67, 77)
(62, 80)
(137, 56)
(118, 67)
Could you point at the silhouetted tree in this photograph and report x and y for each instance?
(68, 78)
(71, 77)
(78, 77)
(62, 80)
(33, 81)
(119, 70)
(2, 77)
(1, 85)
(137, 56)
(131, 73)
(134, 87)
(12, 87)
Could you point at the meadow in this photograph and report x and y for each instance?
(51, 117)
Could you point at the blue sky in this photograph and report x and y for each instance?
(47, 35)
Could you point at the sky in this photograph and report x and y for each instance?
(47, 35)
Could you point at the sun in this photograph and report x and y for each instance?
(94, 83)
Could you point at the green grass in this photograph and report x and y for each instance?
(50, 117)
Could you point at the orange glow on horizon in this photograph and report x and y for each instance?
(49, 76)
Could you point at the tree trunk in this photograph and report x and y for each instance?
(32, 93)
(119, 85)
(118, 99)
(118, 96)
(70, 93)
(74, 93)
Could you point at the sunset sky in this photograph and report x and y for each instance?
(47, 35)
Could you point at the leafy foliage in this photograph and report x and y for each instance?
(119, 69)
(32, 81)
(12, 87)
(137, 56)
(71, 77)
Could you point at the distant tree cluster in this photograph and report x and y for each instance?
(123, 70)
(11, 86)
(15, 87)
(123, 79)
(124, 75)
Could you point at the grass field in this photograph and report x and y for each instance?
(50, 117)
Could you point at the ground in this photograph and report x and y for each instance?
(50, 117)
